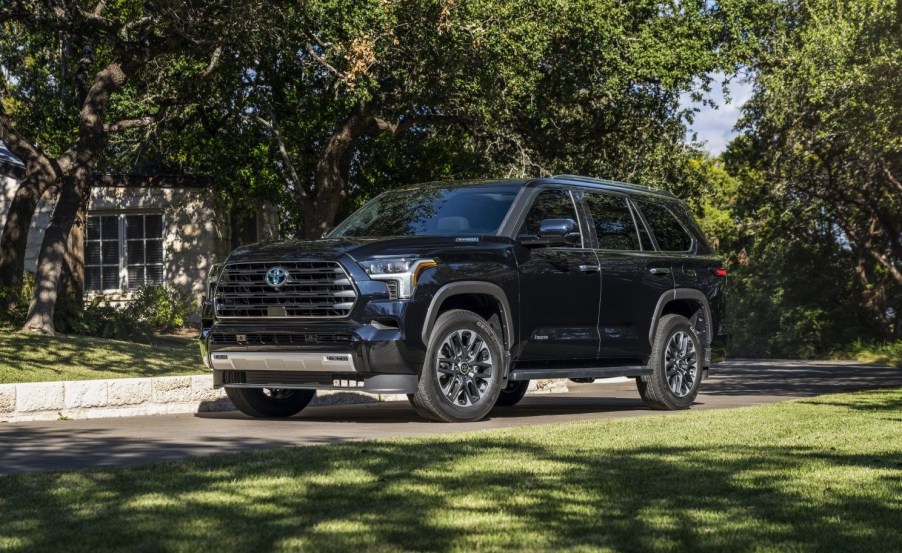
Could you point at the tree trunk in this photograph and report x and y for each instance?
(320, 210)
(40, 173)
(14, 240)
(73, 199)
(52, 259)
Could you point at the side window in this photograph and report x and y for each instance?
(613, 222)
(549, 204)
(669, 232)
(644, 238)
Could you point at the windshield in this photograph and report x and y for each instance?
(431, 212)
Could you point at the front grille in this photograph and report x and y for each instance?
(312, 289)
(274, 378)
(285, 339)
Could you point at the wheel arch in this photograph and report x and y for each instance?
(471, 295)
(684, 301)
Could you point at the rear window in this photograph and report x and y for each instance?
(669, 232)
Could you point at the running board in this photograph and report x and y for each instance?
(586, 372)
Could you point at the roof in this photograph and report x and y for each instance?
(606, 184)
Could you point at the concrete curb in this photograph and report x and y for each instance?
(129, 397)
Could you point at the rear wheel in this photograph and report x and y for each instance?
(461, 378)
(270, 402)
(676, 363)
(512, 393)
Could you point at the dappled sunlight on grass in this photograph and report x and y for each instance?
(810, 475)
(26, 357)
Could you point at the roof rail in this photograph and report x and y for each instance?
(614, 183)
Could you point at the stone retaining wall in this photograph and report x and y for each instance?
(128, 397)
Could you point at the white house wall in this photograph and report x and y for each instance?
(195, 234)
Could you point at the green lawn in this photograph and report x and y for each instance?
(37, 358)
(822, 474)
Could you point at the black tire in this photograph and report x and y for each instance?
(658, 389)
(513, 393)
(259, 403)
(458, 377)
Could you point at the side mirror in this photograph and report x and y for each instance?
(554, 232)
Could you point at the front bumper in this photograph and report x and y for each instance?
(368, 357)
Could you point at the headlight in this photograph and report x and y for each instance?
(401, 271)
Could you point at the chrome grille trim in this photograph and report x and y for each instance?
(314, 290)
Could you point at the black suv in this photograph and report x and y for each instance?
(459, 293)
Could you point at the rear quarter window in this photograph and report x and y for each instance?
(667, 228)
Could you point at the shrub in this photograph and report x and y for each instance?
(17, 316)
(100, 318)
(160, 307)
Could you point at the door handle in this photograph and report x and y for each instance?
(589, 268)
(659, 270)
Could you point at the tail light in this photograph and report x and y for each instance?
(721, 272)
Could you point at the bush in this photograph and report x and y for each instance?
(154, 308)
(103, 320)
(160, 307)
(17, 316)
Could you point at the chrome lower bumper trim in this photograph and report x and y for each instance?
(377, 384)
(282, 361)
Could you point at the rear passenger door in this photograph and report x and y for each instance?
(633, 275)
(673, 239)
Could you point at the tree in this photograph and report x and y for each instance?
(125, 49)
(515, 88)
(824, 127)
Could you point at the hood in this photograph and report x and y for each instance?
(357, 248)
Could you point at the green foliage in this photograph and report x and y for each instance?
(889, 352)
(25, 293)
(454, 89)
(161, 307)
(152, 309)
(823, 143)
(103, 320)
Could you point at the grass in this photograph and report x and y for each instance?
(819, 474)
(28, 357)
(888, 353)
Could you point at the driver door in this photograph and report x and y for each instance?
(560, 287)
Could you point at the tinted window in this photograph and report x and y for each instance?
(644, 238)
(613, 222)
(549, 204)
(431, 211)
(671, 235)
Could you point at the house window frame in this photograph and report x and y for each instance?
(123, 246)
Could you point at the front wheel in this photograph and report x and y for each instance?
(270, 402)
(461, 378)
(676, 366)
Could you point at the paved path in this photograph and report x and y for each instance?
(55, 445)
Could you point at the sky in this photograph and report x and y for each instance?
(714, 127)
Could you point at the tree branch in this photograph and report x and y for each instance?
(322, 62)
(127, 124)
(214, 62)
(283, 152)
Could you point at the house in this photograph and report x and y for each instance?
(145, 229)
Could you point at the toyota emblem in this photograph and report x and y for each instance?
(276, 277)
